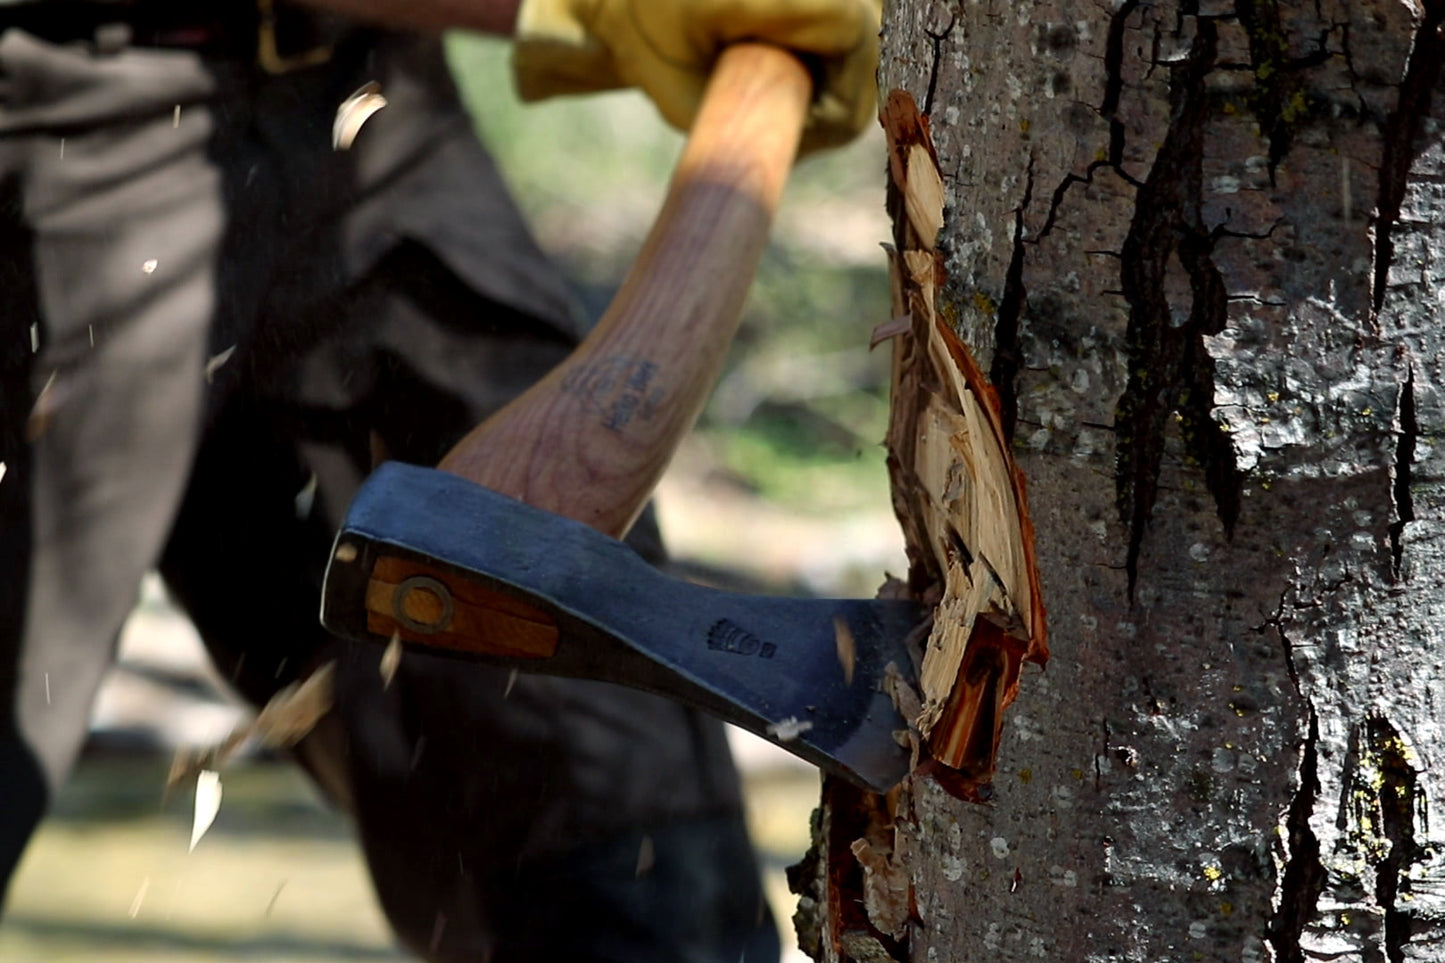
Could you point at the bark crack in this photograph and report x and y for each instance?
(1007, 356)
(938, 39)
(1408, 435)
(1114, 79)
(1304, 874)
(1278, 100)
(1109, 110)
(1402, 127)
(1170, 370)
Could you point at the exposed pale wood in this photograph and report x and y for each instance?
(592, 438)
(924, 196)
(959, 495)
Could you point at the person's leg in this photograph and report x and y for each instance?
(524, 817)
(102, 385)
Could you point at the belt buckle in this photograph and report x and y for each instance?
(268, 53)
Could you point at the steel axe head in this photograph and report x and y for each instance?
(432, 559)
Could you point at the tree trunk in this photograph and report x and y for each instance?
(1195, 247)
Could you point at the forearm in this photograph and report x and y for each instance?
(488, 16)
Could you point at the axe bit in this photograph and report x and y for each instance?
(454, 567)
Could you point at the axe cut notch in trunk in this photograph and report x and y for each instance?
(499, 571)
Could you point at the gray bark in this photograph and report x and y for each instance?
(1197, 246)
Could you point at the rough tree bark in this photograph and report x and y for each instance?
(1197, 246)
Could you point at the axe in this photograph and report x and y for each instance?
(508, 551)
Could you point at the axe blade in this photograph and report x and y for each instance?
(449, 565)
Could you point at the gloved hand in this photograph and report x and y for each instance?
(667, 48)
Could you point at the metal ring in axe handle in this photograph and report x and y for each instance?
(592, 438)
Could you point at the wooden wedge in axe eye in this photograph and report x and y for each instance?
(508, 551)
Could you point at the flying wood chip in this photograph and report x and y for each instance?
(956, 489)
(355, 111)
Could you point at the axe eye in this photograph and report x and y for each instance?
(422, 604)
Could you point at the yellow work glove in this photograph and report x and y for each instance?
(667, 48)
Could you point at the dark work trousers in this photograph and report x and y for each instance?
(211, 325)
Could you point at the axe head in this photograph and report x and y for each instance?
(441, 563)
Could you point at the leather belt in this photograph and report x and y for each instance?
(277, 37)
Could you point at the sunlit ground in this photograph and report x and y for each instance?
(277, 878)
(783, 482)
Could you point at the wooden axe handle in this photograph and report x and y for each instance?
(591, 439)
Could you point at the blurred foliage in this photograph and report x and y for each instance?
(801, 408)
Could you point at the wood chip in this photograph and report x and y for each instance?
(284, 721)
(46, 404)
(354, 112)
(646, 857)
(886, 887)
(294, 711)
(789, 729)
(847, 647)
(208, 804)
(140, 895)
(390, 660)
(439, 926)
(889, 329)
(214, 363)
(306, 498)
(904, 696)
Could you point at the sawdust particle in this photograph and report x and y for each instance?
(390, 660)
(135, 904)
(46, 404)
(646, 857)
(789, 729)
(306, 498)
(275, 896)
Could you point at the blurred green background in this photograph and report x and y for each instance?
(782, 485)
(786, 467)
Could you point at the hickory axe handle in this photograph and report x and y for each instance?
(591, 439)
